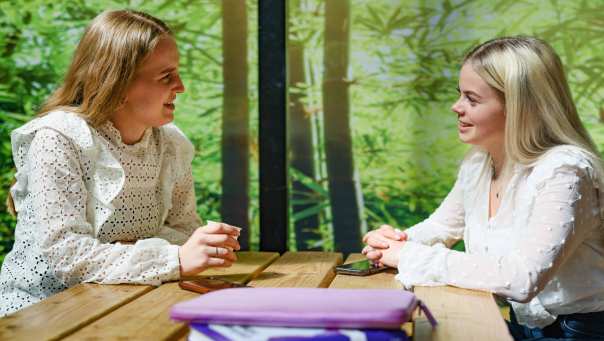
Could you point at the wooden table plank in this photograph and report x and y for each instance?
(382, 280)
(67, 311)
(249, 264)
(147, 318)
(300, 269)
(461, 314)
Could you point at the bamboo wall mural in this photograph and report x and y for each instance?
(234, 204)
(344, 194)
(371, 84)
(300, 142)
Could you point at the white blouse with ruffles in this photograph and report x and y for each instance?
(80, 192)
(543, 250)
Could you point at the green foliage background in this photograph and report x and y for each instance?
(404, 62)
(405, 58)
(37, 39)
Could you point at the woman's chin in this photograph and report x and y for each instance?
(464, 137)
(165, 119)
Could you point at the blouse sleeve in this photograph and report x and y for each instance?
(66, 238)
(446, 225)
(182, 219)
(565, 212)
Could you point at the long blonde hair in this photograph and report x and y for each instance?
(104, 63)
(540, 113)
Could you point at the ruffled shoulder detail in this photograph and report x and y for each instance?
(68, 124)
(109, 175)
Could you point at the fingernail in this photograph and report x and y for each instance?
(399, 233)
(212, 222)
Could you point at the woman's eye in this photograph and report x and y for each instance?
(471, 100)
(166, 79)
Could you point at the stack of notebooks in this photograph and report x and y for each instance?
(299, 314)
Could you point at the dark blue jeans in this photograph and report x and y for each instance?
(573, 327)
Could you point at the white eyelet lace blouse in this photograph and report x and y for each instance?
(79, 192)
(543, 250)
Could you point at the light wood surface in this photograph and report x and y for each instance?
(67, 311)
(248, 265)
(129, 312)
(147, 318)
(300, 269)
(461, 314)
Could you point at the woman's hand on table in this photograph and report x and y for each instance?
(384, 244)
(212, 245)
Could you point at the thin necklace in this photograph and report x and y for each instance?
(493, 181)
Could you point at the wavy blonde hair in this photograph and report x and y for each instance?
(112, 47)
(540, 113)
(114, 44)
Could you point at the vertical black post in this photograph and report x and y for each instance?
(272, 140)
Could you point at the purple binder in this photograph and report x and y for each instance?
(302, 307)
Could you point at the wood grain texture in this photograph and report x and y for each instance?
(300, 269)
(147, 318)
(249, 264)
(67, 311)
(461, 314)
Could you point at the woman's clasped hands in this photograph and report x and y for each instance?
(212, 245)
(384, 245)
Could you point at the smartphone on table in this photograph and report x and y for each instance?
(360, 268)
(204, 285)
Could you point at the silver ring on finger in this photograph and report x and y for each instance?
(217, 251)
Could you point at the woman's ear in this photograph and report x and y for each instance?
(122, 103)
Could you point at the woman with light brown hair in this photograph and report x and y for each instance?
(528, 200)
(104, 190)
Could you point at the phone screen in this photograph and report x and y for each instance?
(361, 268)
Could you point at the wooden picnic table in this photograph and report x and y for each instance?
(139, 312)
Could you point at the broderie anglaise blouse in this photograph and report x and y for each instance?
(81, 191)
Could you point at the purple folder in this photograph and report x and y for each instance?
(303, 307)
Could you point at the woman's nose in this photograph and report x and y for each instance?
(456, 107)
(179, 86)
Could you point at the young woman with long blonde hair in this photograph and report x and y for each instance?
(104, 191)
(527, 202)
